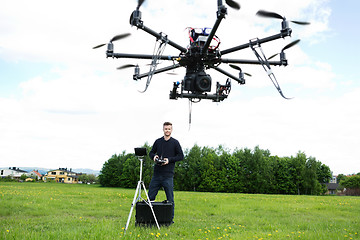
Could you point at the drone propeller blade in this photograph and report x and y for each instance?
(115, 38)
(263, 13)
(98, 46)
(120, 36)
(140, 2)
(235, 67)
(301, 23)
(273, 56)
(233, 4)
(291, 44)
(239, 69)
(126, 66)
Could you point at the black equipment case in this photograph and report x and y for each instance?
(162, 212)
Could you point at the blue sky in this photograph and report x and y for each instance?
(63, 104)
(340, 45)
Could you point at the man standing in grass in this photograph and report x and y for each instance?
(168, 151)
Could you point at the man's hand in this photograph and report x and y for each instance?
(155, 157)
(167, 161)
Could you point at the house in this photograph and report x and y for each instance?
(35, 175)
(62, 175)
(332, 188)
(12, 172)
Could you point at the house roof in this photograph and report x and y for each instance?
(63, 170)
(37, 173)
(15, 169)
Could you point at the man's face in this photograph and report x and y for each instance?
(167, 130)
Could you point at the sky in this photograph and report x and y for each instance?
(64, 104)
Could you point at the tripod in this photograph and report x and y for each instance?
(136, 199)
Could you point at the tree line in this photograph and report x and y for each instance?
(218, 169)
(350, 185)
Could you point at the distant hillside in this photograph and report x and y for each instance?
(86, 170)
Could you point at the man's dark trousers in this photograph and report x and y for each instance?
(168, 184)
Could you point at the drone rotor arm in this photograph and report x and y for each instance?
(139, 56)
(282, 34)
(251, 62)
(160, 36)
(222, 11)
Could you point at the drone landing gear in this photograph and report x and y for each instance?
(254, 44)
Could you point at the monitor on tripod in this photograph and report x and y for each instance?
(140, 152)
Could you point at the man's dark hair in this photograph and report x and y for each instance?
(167, 124)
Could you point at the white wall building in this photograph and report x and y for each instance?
(13, 172)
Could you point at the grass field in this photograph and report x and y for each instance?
(62, 211)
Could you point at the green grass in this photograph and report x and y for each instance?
(65, 211)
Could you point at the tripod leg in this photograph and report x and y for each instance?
(150, 205)
(132, 205)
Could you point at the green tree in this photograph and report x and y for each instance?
(351, 182)
(23, 177)
(233, 172)
(311, 184)
(110, 175)
(123, 170)
(219, 170)
(298, 170)
(352, 185)
(189, 174)
(284, 183)
(213, 175)
(340, 177)
(324, 173)
(87, 178)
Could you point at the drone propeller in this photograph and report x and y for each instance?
(140, 2)
(286, 47)
(263, 13)
(133, 65)
(126, 66)
(129, 66)
(239, 69)
(233, 4)
(115, 38)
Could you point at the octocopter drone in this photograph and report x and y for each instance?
(203, 53)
